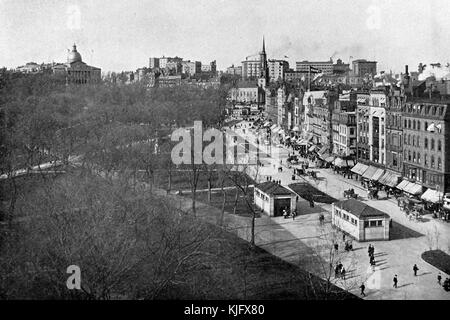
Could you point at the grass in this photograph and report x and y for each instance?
(244, 272)
(438, 259)
(217, 199)
(180, 180)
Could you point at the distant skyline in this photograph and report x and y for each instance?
(123, 35)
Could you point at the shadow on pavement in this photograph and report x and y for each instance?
(399, 231)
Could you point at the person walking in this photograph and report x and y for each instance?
(336, 246)
(369, 250)
(395, 281)
(362, 287)
(415, 269)
(343, 273)
(439, 277)
(343, 237)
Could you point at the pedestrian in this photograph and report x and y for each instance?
(336, 246)
(336, 272)
(294, 213)
(362, 287)
(343, 273)
(372, 260)
(395, 281)
(343, 237)
(415, 269)
(439, 277)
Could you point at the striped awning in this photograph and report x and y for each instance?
(378, 174)
(368, 174)
(433, 196)
(329, 159)
(359, 168)
(389, 179)
(402, 185)
(413, 188)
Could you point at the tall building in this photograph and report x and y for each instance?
(234, 70)
(277, 69)
(256, 68)
(326, 67)
(153, 63)
(394, 131)
(76, 71)
(344, 125)
(426, 132)
(362, 67)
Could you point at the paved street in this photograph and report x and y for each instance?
(408, 241)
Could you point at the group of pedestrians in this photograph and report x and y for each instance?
(339, 271)
(371, 251)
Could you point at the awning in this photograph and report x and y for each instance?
(413, 188)
(273, 126)
(359, 168)
(389, 179)
(433, 196)
(402, 185)
(312, 148)
(350, 162)
(378, 174)
(329, 159)
(338, 162)
(276, 130)
(296, 128)
(323, 150)
(368, 174)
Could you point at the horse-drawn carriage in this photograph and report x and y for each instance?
(350, 193)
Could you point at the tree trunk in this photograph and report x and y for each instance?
(236, 197)
(193, 201)
(209, 190)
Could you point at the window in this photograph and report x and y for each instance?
(439, 163)
(426, 143)
(432, 161)
(379, 223)
(439, 145)
(409, 124)
(426, 126)
(409, 140)
(409, 155)
(366, 224)
(414, 124)
(405, 124)
(414, 156)
(432, 144)
(425, 158)
(418, 125)
(373, 223)
(418, 141)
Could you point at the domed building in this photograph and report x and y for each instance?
(76, 70)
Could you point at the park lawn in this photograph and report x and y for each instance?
(217, 200)
(438, 259)
(180, 180)
(240, 271)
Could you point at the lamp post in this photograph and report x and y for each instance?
(438, 188)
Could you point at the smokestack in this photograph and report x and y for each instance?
(406, 70)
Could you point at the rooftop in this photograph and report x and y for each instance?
(273, 188)
(359, 209)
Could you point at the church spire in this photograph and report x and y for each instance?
(264, 46)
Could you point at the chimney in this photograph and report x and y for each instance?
(406, 70)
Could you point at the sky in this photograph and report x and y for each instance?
(118, 35)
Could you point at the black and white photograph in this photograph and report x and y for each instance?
(225, 155)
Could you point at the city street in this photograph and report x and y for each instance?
(409, 239)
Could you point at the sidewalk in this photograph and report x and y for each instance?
(396, 256)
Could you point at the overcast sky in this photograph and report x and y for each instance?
(121, 35)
